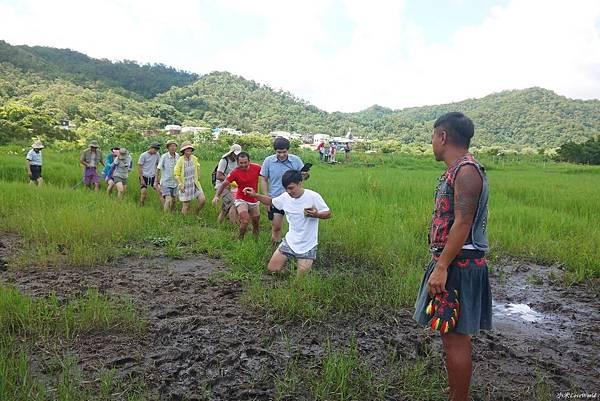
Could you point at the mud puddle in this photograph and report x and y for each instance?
(542, 329)
(204, 342)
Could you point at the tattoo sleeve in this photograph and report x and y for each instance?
(467, 191)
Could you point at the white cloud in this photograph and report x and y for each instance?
(553, 44)
(114, 29)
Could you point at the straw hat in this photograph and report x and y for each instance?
(170, 142)
(235, 149)
(37, 145)
(186, 145)
(94, 144)
(123, 153)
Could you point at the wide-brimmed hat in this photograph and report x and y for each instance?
(186, 145)
(94, 144)
(155, 145)
(123, 153)
(235, 149)
(170, 142)
(37, 145)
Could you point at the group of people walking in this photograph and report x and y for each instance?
(175, 175)
(454, 297)
(328, 153)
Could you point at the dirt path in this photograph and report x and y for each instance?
(203, 342)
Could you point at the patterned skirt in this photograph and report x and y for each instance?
(468, 273)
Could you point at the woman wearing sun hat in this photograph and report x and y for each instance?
(122, 167)
(90, 158)
(187, 174)
(34, 163)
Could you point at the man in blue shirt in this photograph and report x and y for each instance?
(271, 172)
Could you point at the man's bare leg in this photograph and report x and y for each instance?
(110, 187)
(244, 219)
(167, 205)
(255, 216)
(233, 215)
(459, 364)
(143, 194)
(276, 226)
(120, 190)
(277, 262)
(304, 266)
(161, 198)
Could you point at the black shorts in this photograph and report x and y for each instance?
(147, 182)
(36, 172)
(271, 213)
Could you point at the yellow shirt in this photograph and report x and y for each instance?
(179, 166)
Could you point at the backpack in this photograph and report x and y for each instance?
(213, 177)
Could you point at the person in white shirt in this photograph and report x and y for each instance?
(303, 210)
(34, 163)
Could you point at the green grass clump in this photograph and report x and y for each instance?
(343, 374)
(29, 317)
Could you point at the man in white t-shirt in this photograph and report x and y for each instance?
(303, 210)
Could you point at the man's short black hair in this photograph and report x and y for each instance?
(244, 154)
(291, 177)
(281, 143)
(115, 148)
(459, 127)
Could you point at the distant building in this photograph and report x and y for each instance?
(173, 129)
(193, 130)
(307, 137)
(229, 131)
(283, 134)
(317, 138)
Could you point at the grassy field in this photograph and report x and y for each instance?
(372, 251)
(371, 254)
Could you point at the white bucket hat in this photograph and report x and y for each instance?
(235, 149)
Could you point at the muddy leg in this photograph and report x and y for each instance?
(143, 194)
(244, 219)
(255, 216)
(277, 262)
(233, 215)
(459, 364)
(304, 266)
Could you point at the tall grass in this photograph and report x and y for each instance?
(372, 251)
(29, 317)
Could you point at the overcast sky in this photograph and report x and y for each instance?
(338, 54)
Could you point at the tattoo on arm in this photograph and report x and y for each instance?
(468, 186)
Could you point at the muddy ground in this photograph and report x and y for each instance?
(205, 342)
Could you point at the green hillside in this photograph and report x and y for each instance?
(39, 86)
(146, 80)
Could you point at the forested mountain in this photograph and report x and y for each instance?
(534, 116)
(39, 86)
(146, 80)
